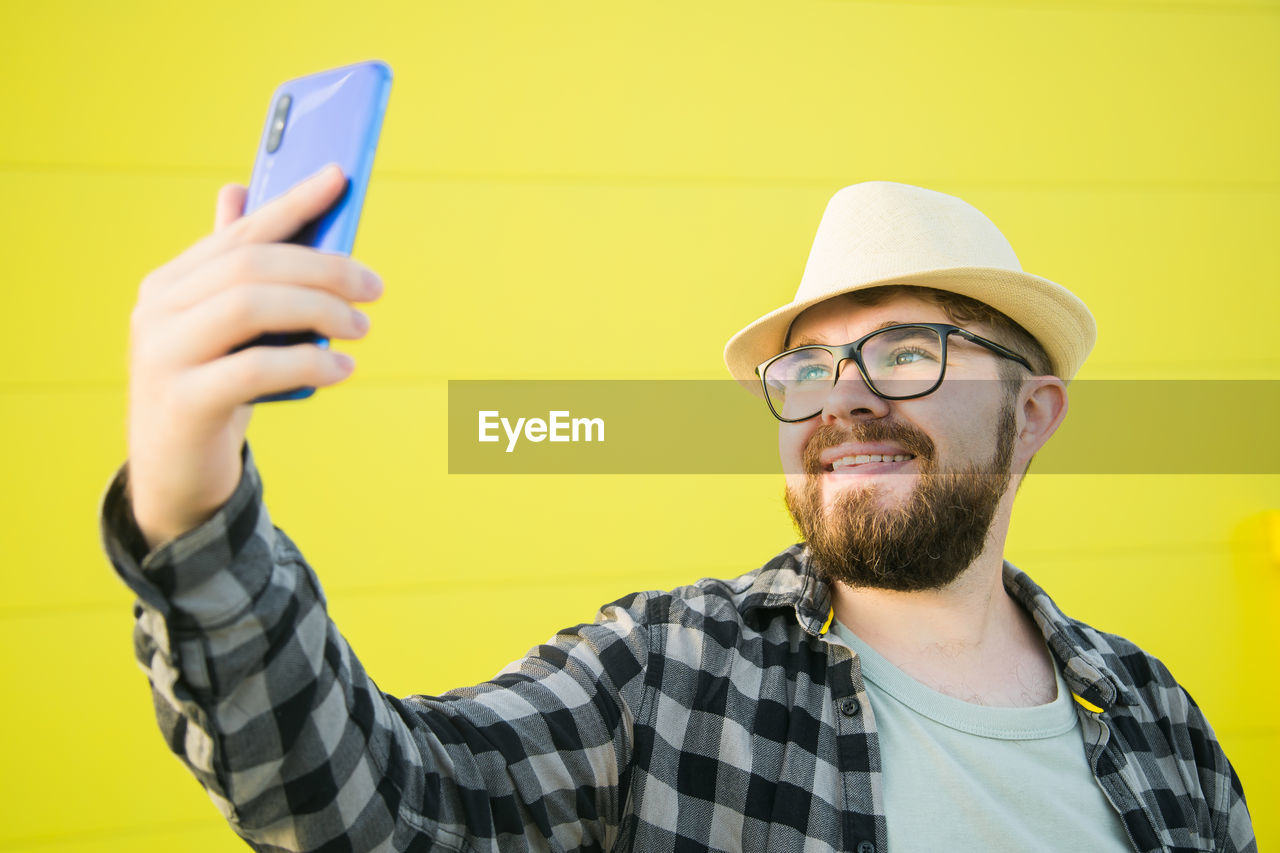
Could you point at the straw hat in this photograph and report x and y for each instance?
(879, 233)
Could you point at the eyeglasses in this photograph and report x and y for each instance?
(897, 362)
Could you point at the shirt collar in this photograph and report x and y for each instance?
(790, 582)
(1072, 642)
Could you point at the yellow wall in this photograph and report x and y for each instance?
(557, 174)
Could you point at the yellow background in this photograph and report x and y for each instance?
(582, 189)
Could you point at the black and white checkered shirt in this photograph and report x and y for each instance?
(718, 716)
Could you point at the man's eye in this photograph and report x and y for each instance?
(812, 373)
(909, 356)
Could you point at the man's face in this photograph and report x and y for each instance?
(918, 517)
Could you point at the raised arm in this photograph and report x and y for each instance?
(261, 697)
(254, 687)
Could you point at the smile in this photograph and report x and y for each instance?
(866, 459)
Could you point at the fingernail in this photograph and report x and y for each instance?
(361, 320)
(345, 362)
(327, 172)
(372, 283)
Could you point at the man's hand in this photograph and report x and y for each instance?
(188, 399)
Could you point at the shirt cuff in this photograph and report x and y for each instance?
(210, 574)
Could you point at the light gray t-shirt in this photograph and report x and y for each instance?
(960, 776)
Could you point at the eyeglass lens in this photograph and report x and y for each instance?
(899, 362)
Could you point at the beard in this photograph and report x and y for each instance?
(924, 543)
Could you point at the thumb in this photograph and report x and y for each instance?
(230, 205)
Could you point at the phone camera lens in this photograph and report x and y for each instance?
(277, 124)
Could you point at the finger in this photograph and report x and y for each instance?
(234, 317)
(236, 379)
(278, 219)
(278, 263)
(284, 215)
(230, 205)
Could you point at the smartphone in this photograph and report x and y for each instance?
(333, 116)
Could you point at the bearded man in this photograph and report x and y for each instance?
(891, 683)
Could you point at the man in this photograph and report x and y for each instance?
(891, 684)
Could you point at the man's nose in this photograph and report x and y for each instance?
(852, 399)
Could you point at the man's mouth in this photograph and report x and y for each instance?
(845, 462)
(856, 457)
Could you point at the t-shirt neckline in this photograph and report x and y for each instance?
(1029, 723)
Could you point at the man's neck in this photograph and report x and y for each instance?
(970, 640)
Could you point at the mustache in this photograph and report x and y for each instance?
(911, 439)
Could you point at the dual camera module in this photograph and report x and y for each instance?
(277, 122)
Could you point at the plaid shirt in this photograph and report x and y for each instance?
(716, 716)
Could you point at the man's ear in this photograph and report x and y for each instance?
(1042, 407)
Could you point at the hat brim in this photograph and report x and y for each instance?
(1048, 311)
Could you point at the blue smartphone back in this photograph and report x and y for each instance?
(333, 116)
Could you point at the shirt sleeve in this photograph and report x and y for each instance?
(1233, 827)
(257, 692)
(1240, 835)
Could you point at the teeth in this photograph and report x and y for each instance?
(863, 458)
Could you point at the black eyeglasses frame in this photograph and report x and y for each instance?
(853, 352)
